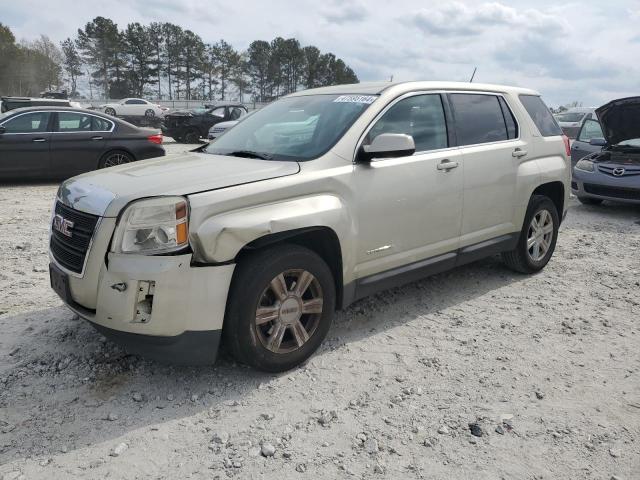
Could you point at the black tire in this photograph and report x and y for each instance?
(115, 157)
(251, 284)
(110, 111)
(589, 201)
(520, 259)
(192, 136)
(149, 113)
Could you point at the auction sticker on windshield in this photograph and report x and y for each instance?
(356, 99)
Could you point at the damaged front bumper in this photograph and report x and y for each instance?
(160, 307)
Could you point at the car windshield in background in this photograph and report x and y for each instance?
(295, 128)
(570, 117)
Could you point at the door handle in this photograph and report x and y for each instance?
(518, 152)
(447, 165)
(39, 140)
(96, 138)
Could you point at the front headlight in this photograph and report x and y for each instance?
(156, 225)
(585, 165)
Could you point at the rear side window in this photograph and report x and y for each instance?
(478, 118)
(100, 124)
(540, 115)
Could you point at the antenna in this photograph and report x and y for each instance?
(473, 74)
(391, 78)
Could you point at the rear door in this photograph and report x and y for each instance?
(581, 146)
(492, 149)
(78, 142)
(24, 145)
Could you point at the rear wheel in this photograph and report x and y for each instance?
(538, 237)
(280, 307)
(192, 136)
(110, 111)
(116, 157)
(590, 201)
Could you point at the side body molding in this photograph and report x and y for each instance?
(219, 238)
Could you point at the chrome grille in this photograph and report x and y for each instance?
(71, 251)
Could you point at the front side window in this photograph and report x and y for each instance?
(236, 113)
(541, 116)
(28, 123)
(296, 128)
(478, 118)
(590, 129)
(421, 116)
(74, 122)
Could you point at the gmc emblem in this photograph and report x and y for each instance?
(62, 225)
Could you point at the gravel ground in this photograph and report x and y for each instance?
(475, 373)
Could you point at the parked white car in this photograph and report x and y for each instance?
(571, 120)
(219, 128)
(318, 199)
(133, 107)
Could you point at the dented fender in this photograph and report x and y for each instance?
(219, 238)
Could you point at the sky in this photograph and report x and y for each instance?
(585, 51)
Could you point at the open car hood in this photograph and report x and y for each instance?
(620, 119)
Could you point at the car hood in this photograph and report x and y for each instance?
(620, 119)
(106, 192)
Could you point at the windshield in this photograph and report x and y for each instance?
(293, 128)
(570, 117)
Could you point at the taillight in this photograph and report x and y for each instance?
(567, 145)
(157, 138)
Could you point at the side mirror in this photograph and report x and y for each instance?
(597, 142)
(2, 130)
(388, 145)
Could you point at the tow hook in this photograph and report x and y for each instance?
(120, 287)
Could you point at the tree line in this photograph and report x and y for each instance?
(164, 60)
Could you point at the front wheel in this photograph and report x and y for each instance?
(192, 136)
(149, 113)
(538, 237)
(280, 307)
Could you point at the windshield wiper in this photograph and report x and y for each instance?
(250, 154)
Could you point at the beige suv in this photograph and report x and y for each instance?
(317, 200)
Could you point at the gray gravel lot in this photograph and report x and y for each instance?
(476, 373)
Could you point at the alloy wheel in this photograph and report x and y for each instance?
(289, 311)
(539, 235)
(116, 159)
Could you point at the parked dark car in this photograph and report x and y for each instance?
(40, 142)
(582, 146)
(189, 126)
(11, 103)
(614, 172)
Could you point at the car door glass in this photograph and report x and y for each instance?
(509, 119)
(590, 129)
(100, 124)
(28, 123)
(236, 113)
(73, 122)
(421, 116)
(218, 112)
(479, 118)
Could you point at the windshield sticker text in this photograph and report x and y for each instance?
(356, 99)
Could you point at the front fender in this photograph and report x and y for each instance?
(220, 237)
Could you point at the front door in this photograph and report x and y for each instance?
(77, 142)
(409, 208)
(24, 146)
(581, 146)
